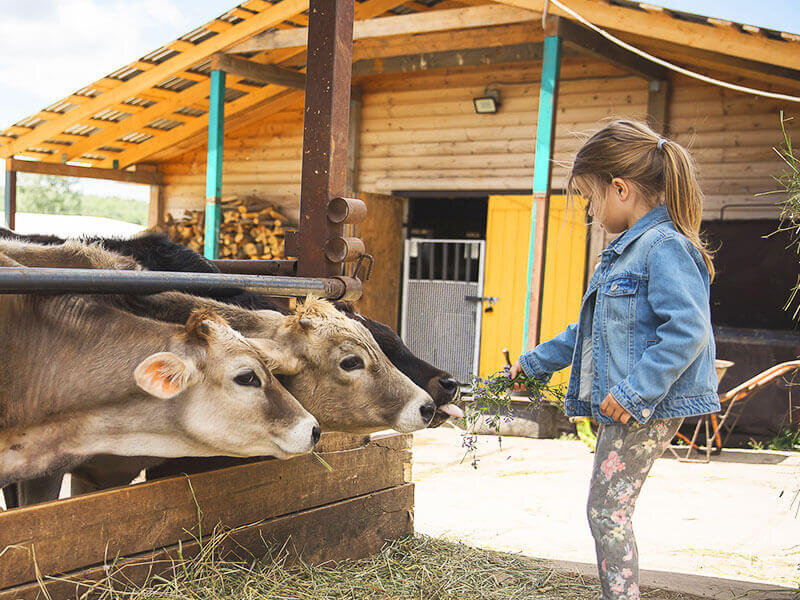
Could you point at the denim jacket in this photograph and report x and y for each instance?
(645, 327)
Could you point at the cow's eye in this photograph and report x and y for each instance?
(247, 378)
(351, 363)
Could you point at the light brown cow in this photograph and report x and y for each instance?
(330, 363)
(79, 378)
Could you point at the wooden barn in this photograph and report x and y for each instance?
(463, 115)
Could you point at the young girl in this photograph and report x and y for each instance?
(642, 350)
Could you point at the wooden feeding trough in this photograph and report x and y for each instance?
(347, 512)
(63, 548)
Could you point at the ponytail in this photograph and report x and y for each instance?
(662, 170)
(684, 198)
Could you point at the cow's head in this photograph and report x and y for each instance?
(441, 385)
(340, 374)
(226, 396)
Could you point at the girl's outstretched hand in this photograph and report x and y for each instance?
(611, 408)
(515, 370)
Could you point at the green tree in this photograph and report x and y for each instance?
(48, 195)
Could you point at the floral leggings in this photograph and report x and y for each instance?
(624, 456)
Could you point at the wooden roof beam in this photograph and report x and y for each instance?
(425, 61)
(258, 72)
(665, 27)
(144, 176)
(437, 20)
(593, 44)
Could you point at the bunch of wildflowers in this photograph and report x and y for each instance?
(492, 403)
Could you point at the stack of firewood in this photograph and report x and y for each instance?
(247, 230)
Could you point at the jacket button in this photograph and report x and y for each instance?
(613, 287)
(645, 412)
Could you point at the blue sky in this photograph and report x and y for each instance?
(62, 45)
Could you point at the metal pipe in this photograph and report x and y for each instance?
(256, 267)
(25, 280)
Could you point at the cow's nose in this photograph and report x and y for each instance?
(449, 385)
(427, 411)
(315, 433)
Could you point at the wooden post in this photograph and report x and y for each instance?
(657, 104)
(327, 107)
(542, 172)
(216, 124)
(354, 141)
(10, 196)
(155, 217)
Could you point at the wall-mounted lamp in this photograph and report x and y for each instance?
(488, 103)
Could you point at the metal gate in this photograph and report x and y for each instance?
(442, 294)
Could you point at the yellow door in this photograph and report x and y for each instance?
(508, 230)
(564, 270)
(507, 242)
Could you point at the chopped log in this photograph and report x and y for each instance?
(252, 230)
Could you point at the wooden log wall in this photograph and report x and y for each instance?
(420, 132)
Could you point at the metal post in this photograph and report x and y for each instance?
(10, 198)
(542, 172)
(330, 48)
(216, 125)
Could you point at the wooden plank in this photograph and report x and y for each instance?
(259, 22)
(722, 66)
(442, 41)
(382, 235)
(155, 209)
(657, 105)
(440, 20)
(593, 44)
(259, 72)
(427, 61)
(354, 141)
(665, 27)
(72, 533)
(349, 529)
(43, 168)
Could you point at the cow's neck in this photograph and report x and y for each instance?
(65, 353)
(138, 427)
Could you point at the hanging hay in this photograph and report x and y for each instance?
(415, 568)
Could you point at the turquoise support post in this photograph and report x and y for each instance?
(542, 166)
(216, 126)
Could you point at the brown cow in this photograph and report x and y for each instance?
(80, 378)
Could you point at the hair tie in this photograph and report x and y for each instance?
(660, 144)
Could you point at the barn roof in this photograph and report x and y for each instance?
(144, 109)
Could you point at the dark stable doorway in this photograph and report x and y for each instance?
(755, 274)
(447, 217)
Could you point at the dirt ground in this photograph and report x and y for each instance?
(728, 529)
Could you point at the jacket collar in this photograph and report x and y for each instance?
(657, 215)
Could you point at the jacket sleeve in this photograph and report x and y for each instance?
(677, 292)
(551, 356)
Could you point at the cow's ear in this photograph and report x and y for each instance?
(163, 375)
(280, 360)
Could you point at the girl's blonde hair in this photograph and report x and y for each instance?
(662, 172)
